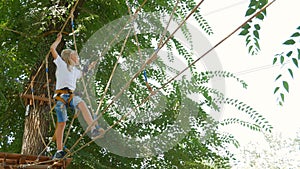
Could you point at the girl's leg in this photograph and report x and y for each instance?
(86, 114)
(60, 134)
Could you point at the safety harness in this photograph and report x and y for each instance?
(60, 92)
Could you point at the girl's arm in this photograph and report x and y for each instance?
(54, 45)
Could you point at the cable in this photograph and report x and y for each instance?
(224, 8)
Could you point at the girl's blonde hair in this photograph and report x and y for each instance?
(66, 56)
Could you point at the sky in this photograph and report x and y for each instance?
(281, 22)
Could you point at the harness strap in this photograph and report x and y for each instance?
(59, 92)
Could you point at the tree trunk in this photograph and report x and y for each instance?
(35, 131)
(38, 120)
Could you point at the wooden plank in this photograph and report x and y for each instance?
(14, 160)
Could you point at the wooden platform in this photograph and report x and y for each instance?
(13, 161)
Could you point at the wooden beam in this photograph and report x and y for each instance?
(14, 161)
(29, 96)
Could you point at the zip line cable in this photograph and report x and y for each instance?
(224, 8)
(260, 68)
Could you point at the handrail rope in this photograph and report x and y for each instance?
(33, 77)
(34, 111)
(106, 49)
(181, 71)
(76, 49)
(153, 57)
(48, 90)
(129, 82)
(166, 28)
(113, 72)
(71, 124)
(138, 45)
(161, 39)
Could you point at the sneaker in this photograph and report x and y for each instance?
(97, 132)
(58, 155)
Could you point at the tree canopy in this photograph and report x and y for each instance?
(27, 28)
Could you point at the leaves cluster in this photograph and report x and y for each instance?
(251, 29)
(291, 56)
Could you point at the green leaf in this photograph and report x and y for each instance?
(289, 42)
(281, 59)
(286, 85)
(257, 27)
(256, 34)
(250, 48)
(289, 54)
(291, 72)
(247, 26)
(263, 2)
(295, 61)
(274, 60)
(278, 77)
(252, 3)
(296, 34)
(244, 32)
(282, 96)
(264, 12)
(257, 45)
(247, 42)
(250, 11)
(276, 89)
(298, 54)
(298, 28)
(260, 16)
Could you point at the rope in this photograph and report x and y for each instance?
(138, 46)
(68, 133)
(166, 28)
(161, 39)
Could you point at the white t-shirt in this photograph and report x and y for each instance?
(64, 77)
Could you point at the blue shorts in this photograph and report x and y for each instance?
(61, 109)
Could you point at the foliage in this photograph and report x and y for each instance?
(28, 28)
(251, 29)
(291, 56)
(251, 32)
(277, 152)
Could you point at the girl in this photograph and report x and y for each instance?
(66, 76)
